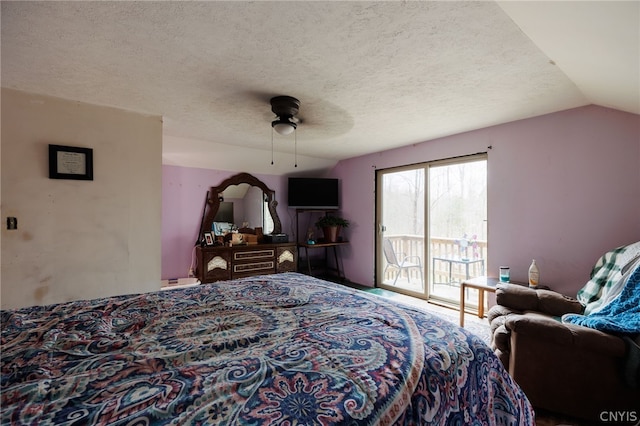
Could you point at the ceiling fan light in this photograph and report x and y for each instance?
(283, 127)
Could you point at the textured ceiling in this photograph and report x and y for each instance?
(369, 75)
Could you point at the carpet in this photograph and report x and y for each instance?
(472, 323)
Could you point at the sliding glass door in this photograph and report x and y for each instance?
(432, 227)
(401, 218)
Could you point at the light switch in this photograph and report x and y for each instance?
(12, 223)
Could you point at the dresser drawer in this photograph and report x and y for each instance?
(253, 268)
(253, 255)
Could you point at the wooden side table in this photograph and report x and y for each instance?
(481, 284)
(338, 269)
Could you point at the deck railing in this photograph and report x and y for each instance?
(441, 248)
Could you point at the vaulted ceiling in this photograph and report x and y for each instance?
(369, 75)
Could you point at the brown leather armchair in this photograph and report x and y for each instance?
(564, 368)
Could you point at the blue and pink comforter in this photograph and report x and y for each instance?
(272, 350)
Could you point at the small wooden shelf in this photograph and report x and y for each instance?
(306, 263)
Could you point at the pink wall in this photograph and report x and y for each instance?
(563, 189)
(183, 196)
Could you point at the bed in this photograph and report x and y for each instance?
(283, 349)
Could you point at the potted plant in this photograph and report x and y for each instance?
(331, 226)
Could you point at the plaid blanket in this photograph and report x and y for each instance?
(606, 273)
(622, 315)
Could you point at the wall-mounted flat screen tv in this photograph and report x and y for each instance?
(313, 193)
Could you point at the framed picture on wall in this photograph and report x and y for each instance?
(70, 162)
(208, 238)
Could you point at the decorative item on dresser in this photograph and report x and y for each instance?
(241, 245)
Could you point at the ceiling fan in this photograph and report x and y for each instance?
(285, 108)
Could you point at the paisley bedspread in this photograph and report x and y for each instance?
(282, 349)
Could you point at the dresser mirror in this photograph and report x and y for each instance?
(243, 201)
(244, 206)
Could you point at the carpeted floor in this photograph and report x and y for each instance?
(472, 323)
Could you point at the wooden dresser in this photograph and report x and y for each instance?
(216, 263)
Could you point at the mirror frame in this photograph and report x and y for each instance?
(213, 200)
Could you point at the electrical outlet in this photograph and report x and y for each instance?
(12, 223)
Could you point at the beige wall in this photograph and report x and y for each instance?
(78, 239)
